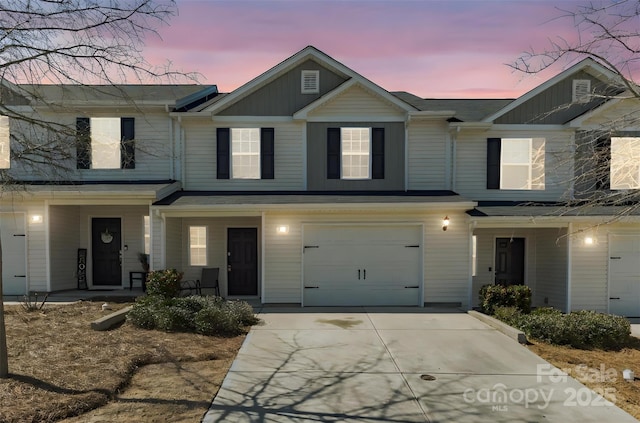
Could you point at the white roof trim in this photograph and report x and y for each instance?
(354, 82)
(597, 68)
(577, 122)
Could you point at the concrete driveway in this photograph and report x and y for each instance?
(395, 365)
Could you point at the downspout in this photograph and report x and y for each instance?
(569, 264)
(454, 159)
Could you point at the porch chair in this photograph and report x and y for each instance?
(209, 280)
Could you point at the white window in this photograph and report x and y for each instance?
(245, 153)
(625, 162)
(356, 153)
(147, 235)
(197, 245)
(310, 81)
(474, 255)
(522, 163)
(105, 143)
(5, 142)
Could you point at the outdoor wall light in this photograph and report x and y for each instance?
(36, 218)
(283, 229)
(445, 223)
(588, 240)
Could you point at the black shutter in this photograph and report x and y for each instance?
(83, 143)
(267, 137)
(377, 153)
(223, 152)
(333, 153)
(127, 145)
(493, 163)
(603, 163)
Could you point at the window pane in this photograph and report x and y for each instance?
(625, 162)
(356, 154)
(147, 235)
(105, 143)
(5, 142)
(522, 163)
(198, 245)
(245, 153)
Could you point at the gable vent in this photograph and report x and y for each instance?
(581, 91)
(310, 82)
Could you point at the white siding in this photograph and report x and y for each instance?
(427, 158)
(551, 269)
(446, 272)
(589, 270)
(356, 103)
(173, 245)
(201, 159)
(64, 239)
(622, 115)
(471, 166)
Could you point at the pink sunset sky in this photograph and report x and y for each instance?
(438, 49)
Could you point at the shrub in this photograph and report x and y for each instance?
(581, 329)
(165, 283)
(493, 296)
(206, 315)
(509, 315)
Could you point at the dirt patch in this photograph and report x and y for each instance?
(61, 368)
(346, 323)
(600, 370)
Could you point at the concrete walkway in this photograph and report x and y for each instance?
(395, 365)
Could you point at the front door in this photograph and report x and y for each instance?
(242, 261)
(509, 261)
(624, 275)
(105, 251)
(14, 264)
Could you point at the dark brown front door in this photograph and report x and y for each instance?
(509, 261)
(242, 261)
(105, 251)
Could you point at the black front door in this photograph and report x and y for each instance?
(510, 261)
(242, 261)
(105, 251)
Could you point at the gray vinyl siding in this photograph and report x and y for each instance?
(393, 158)
(64, 243)
(427, 159)
(282, 96)
(152, 151)
(589, 271)
(471, 166)
(554, 105)
(201, 158)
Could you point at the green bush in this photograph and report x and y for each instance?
(165, 283)
(509, 315)
(493, 296)
(206, 315)
(581, 329)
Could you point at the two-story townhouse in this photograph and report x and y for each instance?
(312, 185)
(91, 194)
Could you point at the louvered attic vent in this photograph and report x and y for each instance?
(581, 91)
(310, 81)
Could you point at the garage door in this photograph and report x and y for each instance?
(624, 275)
(12, 235)
(362, 265)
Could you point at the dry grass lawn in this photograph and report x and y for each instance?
(603, 371)
(61, 368)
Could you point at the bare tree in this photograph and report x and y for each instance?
(93, 44)
(606, 160)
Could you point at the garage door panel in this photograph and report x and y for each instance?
(362, 265)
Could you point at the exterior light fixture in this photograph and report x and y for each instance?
(283, 229)
(445, 223)
(588, 240)
(36, 218)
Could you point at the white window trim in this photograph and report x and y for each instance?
(304, 88)
(370, 153)
(237, 154)
(192, 246)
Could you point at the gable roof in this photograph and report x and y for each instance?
(588, 65)
(307, 53)
(466, 110)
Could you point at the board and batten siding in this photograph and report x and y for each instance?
(471, 166)
(201, 159)
(64, 241)
(446, 270)
(153, 157)
(427, 158)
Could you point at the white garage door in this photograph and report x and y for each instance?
(12, 235)
(624, 275)
(362, 265)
